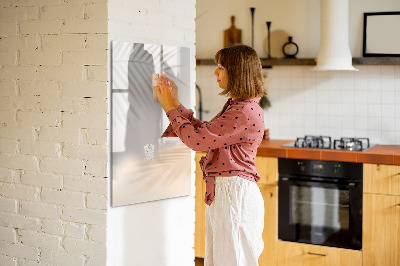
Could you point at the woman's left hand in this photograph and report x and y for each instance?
(164, 94)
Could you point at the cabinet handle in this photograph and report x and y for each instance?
(318, 254)
(398, 204)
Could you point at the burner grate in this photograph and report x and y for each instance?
(321, 142)
(351, 144)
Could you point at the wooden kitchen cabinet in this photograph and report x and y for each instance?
(270, 233)
(298, 254)
(200, 207)
(381, 215)
(267, 168)
(381, 230)
(381, 179)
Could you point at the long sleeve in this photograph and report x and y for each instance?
(222, 131)
(188, 114)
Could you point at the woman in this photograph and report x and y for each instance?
(235, 207)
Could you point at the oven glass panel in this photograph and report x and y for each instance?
(319, 208)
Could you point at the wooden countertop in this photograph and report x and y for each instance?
(379, 154)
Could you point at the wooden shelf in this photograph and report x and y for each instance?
(312, 61)
(376, 61)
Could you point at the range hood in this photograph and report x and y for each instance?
(334, 51)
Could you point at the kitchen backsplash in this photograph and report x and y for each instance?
(332, 103)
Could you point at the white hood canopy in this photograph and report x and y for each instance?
(334, 51)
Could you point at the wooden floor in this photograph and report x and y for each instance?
(199, 262)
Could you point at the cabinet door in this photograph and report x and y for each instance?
(297, 254)
(270, 233)
(381, 230)
(200, 207)
(267, 168)
(381, 179)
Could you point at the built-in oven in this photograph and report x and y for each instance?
(320, 202)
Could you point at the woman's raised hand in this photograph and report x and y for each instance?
(174, 91)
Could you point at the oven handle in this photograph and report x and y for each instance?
(297, 181)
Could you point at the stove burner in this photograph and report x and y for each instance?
(351, 144)
(308, 141)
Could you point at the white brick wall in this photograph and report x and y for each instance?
(53, 121)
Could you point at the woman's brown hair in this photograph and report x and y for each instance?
(245, 78)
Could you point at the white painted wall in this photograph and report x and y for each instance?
(338, 104)
(159, 232)
(299, 18)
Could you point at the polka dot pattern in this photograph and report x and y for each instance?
(231, 139)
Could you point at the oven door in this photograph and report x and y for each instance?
(321, 212)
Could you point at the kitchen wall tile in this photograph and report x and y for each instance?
(387, 72)
(334, 77)
(374, 70)
(322, 121)
(322, 74)
(325, 131)
(297, 83)
(285, 72)
(322, 95)
(310, 95)
(388, 110)
(374, 123)
(348, 132)
(297, 72)
(360, 133)
(389, 136)
(347, 122)
(397, 72)
(388, 84)
(348, 96)
(335, 122)
(334, 109)
(374, 84)
(322, 83)
(374, 110)
(310, 108)
(388, 124)
(360, 81)
(284, 83)
(375, 136)
(397, 133)
(388, 97)
(335, 95)
(361, 123)
(397, 92)
(361, 110)
(347, 109)
(308, 72)
(397, 110)
(286, 132)
(334, 81)
(374, 97)
(322, 109)
(361, 97)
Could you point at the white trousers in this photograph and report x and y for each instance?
(234, 223)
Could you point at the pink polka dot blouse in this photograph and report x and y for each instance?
(231, 139)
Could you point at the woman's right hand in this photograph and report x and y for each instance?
(174, 91)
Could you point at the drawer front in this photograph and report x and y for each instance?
(381, 179)
(293, 254)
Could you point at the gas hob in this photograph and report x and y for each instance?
(325, 142)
